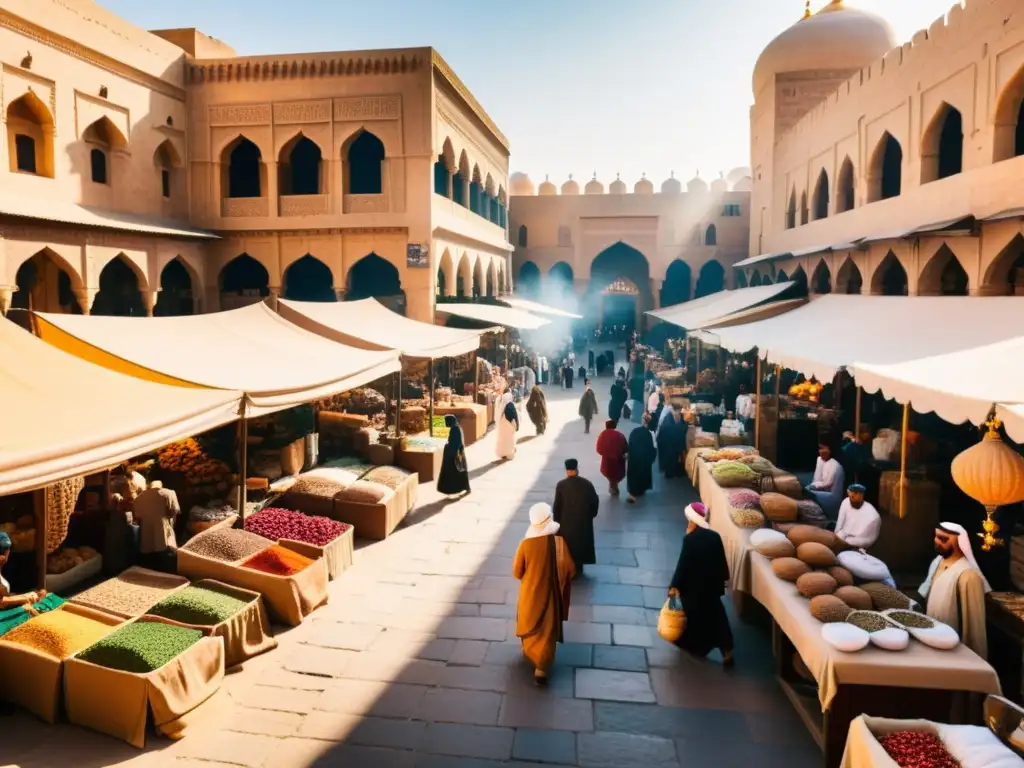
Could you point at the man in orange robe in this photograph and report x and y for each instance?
(545, 568)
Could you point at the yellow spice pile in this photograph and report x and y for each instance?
(59, 633)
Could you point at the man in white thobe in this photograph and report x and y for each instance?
(859, 523)
(826, 470)
(955, 588)
(652, 400)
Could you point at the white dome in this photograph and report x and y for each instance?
(746, 184)
(671, 186)
(644, 187)
(738, 173)
(520, 184)
(696, 185)
(617, 187)
(719, 185)
(594, 187)
(547, 188)
(836, 37)
(570, 187)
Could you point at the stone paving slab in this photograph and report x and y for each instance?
(414, 662)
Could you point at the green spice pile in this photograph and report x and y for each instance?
(141, 647)
(227, 544)
(912, 620)
(196, 605)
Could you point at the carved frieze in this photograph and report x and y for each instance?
(303, 205)
(368, 108)
(302, 112)
(366, 203)
(240, 114)
(237, 207)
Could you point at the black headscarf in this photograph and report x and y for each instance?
(454, 432)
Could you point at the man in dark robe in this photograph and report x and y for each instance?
(569, 373)
(672, 442)
(575, 507)
(642, 453)
(655, 420)
(590, 361)
(699, 580)
(618, 399)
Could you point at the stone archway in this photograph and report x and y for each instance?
(376, 277)
(711, 280)
(849, 280)
(309, 279)
(529, 279)
(120, 293)
(243, 281)
(676, 287)
(890, 278)
(943, 275)
(177, 290)
(46, 283)
(560, 279)
(821, 280)
(1005, 275)
(619, 262)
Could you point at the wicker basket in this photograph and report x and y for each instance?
(672, 620)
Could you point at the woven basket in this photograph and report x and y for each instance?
(672, 620)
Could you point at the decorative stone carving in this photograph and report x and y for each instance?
(237, 207)
(251, 114)
(366, 203)
(303, 112)
(303, 205)
(368, 108)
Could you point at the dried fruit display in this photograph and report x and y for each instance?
(227, 544)
(917, 749)
(63, 560)
(868, 621)
(733, 474)
(141, 646)
(188, 457)
(132, 593)
(279, 561)
(912, 619)
(59, 634)
(392, 477)
(363, 401)
(275, 523)
(197, 605)
(60, 500)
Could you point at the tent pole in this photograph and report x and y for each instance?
(476, 378)
(903, 460)
(686, 360)
(243, 461)
(430, 376)
(856, 417)
(698, 345)
(506, 353)
(398, 400)
(757, 403)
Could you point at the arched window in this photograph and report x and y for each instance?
(560, 277)
(1009, 119)
(309, 279)
(30, 136)
(711, 235)
(119, 293)
(529, 278)
(755, 279)
(523, 236)
(676, 287)
(845, 194)
(441, 176)
(44, 284)
(886, 179)
(821, 280)
(791, 210)
(711, 279)
(244, 169)
(373, 276)
(942, 149)
(98, 166)
(943, 275)
(364, 168)
(102, 137)
(803, 208)
(821, 196)
(300, 168)
(243, 280)
(890, 278)
(176, 291)
(167, 162)
(741, 279)
(848, 279)
(800, 278)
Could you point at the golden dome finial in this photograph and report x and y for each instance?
(807, 9)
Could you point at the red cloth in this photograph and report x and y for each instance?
(612, 447)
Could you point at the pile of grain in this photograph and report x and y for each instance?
(197, 605)
(59, 634)
(142, 646)
(131, 594)
(227, 544)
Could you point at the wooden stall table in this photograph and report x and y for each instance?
(929, 683)
(472, 418)
(736, 540)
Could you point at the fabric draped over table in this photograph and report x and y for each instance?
(545, 568)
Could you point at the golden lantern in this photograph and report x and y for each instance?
(992, 474)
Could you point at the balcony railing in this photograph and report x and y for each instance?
(366, 203)
(238, 207)
(304, 205)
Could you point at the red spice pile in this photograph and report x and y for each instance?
(918, 749)
(278, 560)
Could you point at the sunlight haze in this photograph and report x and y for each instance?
(578, 86)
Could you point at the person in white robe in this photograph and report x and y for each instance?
(826, 470)
(859, 523)
(505, 446)
(955, 588)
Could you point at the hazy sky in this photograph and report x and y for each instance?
(578, 86)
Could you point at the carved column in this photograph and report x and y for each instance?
(86, 296)
(275, 294)
(449, 191)
(339, 293)
(6, 297)
(273, 197)
(149, 299)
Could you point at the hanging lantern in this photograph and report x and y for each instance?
(992, 474)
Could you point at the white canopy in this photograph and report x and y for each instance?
(836, 331)
(65, 417)
(275, 363)
(959, 386)
(538, 309)
(1013, 420)
(489, 313)
(368, 324)
(708, 309)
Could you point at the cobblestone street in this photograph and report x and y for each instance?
(415, 664)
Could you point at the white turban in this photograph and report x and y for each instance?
(964, 540)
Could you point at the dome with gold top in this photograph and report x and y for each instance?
(547, 187)
(570, 187)
(644, 186)
(594, 187)
(617, 187)
(839, 36)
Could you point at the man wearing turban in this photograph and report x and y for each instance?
(955, 588)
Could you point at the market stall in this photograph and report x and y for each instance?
(367, 324)
(929, 682)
